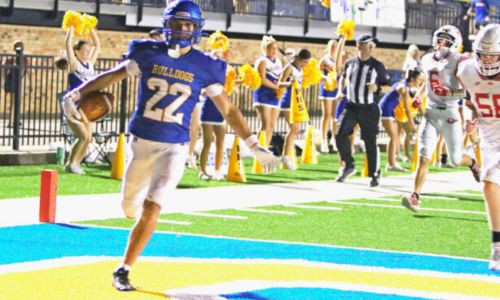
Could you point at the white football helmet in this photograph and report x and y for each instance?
(487, 42)
(449, 33)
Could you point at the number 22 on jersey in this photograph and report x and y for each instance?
(488, 105)
(163, 88)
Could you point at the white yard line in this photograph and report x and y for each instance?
(268, 211)
(421, 209)
(465, 194)
(173, 222)
(387, 199)
(215, 216)
(313, 207)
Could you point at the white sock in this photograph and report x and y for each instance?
(124, 266)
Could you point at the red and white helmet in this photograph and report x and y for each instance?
(487, 42)
(450, 34)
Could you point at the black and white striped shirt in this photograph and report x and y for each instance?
(358, 74)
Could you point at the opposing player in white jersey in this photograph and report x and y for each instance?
(172, 75)
(480, 76)
(443, 92)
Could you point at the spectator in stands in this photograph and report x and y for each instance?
(291, 72)
(480, 9)
(11, 79)
(363, 76)
(240, 6)
(265, 98)
(156, 34)
(81, 59)
(331, 62)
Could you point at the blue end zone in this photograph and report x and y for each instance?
(47, 241)
(311, 293)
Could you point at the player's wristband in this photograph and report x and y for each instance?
(251, 141)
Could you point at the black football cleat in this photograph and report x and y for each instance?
(121, 281)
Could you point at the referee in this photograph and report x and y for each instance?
(362, 76)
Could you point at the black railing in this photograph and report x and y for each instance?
(433, 15)
(39, 115)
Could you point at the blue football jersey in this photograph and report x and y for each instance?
(169, 89)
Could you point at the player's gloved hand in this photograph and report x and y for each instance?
(416, 102)
(69, 106)
(439, 90)
(266, 158)
(470, 126)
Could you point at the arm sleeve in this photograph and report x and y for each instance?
(217, 72)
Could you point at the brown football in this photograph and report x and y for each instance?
(95, 106)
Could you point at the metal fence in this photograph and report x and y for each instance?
(37, 120)
(433, 15)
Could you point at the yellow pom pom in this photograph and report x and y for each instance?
(82, 24)
(346, 27)
(92, 22)
(249, 77)
(71, 18)
(87, 23)
(280, 92)
(325, 3)
(400, 112)
(230, 80)
(331, 81)
(311, 74)
(218, 41)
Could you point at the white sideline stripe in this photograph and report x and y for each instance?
(215, 216)
(421, 209)
(173, 222)
(313, 207)
(439, 197)
(268, 211)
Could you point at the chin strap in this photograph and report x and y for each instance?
(174, 53)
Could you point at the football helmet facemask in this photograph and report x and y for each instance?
(451, 36)
(487, 43)
(182, 10)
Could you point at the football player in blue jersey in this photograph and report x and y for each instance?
(172, 74)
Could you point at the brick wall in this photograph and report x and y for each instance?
(49, 41)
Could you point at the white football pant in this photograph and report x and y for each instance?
(153, 172)
(448, 123)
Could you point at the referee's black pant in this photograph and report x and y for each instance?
(368, 117)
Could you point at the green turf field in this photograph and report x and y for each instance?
(24, 181)
(449, 224)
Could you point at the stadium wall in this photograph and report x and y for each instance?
(50, 40)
